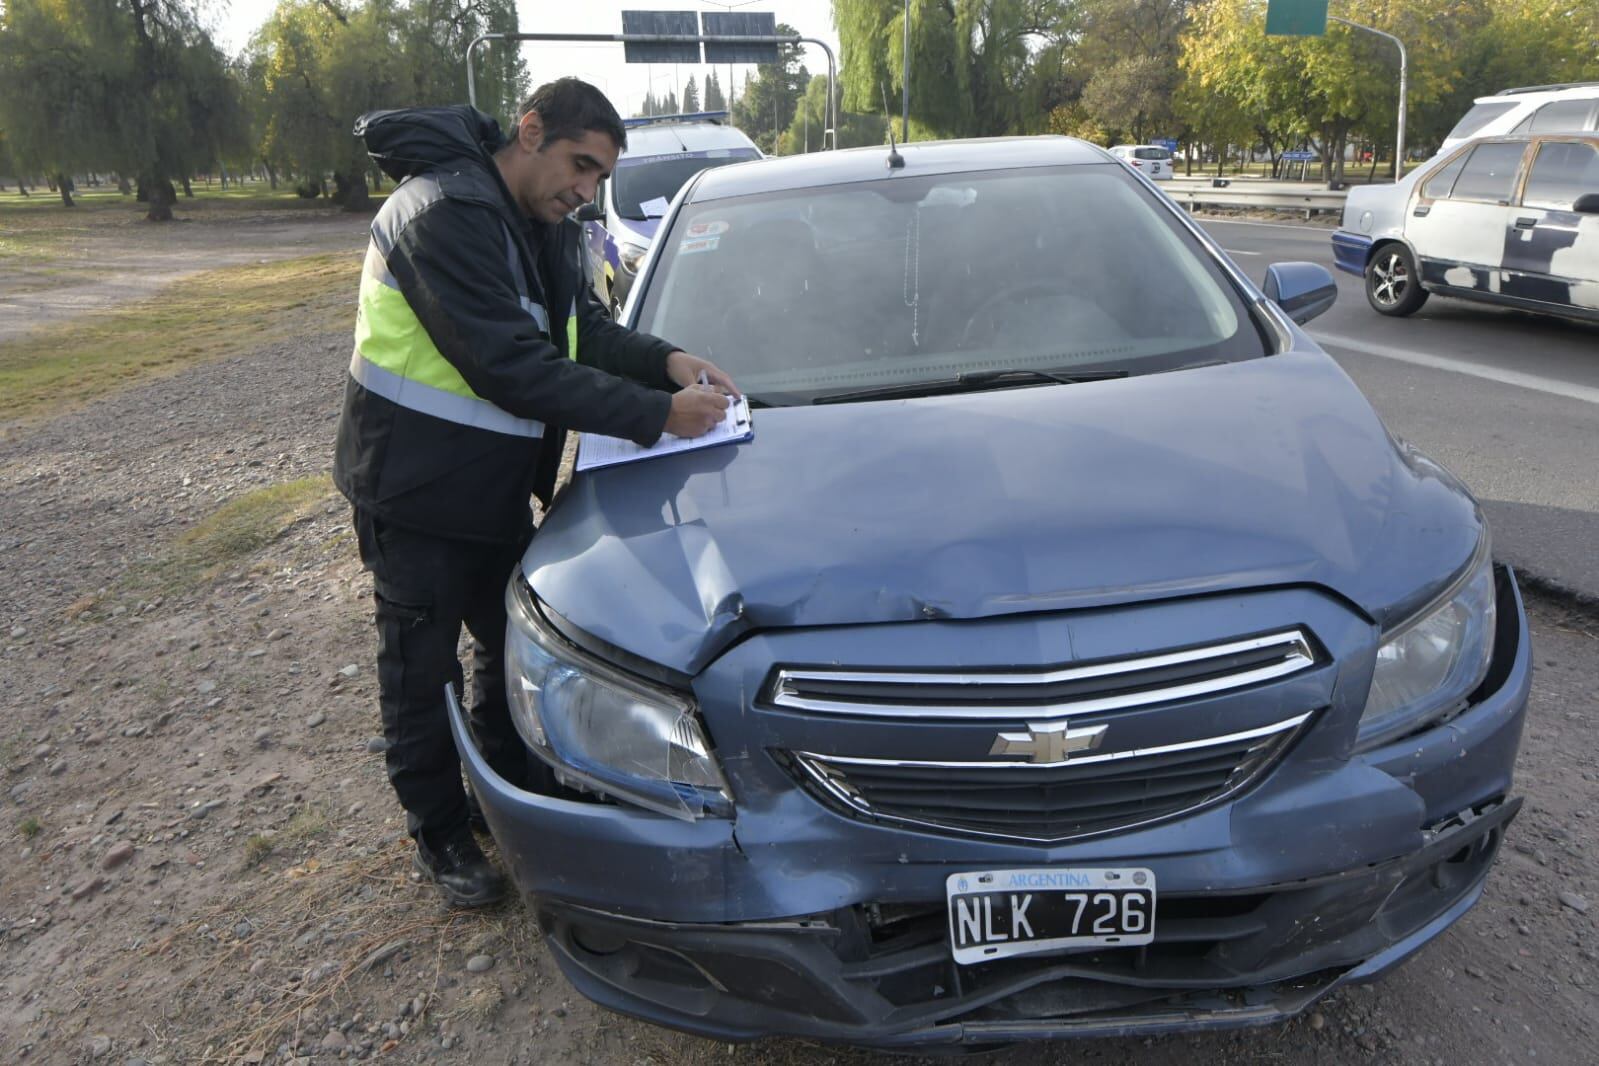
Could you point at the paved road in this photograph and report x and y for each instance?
(1508, 401)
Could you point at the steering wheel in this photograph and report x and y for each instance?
(996, 302)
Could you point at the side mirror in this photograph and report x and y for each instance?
(1587, 204)
(591, 213)
(1303, 290)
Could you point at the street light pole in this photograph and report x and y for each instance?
(1404, 85)
(905, 79)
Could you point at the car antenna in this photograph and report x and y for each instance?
(895, 160)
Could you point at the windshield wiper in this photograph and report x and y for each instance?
(969, 381)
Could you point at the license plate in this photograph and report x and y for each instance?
(996, 914)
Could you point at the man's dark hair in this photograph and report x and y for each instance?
(569, 108)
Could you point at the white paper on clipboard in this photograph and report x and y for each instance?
(594, 450)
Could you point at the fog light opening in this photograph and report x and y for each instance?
(597, 942)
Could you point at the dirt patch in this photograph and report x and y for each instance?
(60, 263)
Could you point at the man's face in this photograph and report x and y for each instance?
(555, 180)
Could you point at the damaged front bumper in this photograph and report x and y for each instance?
(692, 924)
(1221, 961)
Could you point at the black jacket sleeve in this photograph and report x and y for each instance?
(450, 263)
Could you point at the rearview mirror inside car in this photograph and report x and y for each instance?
(1587, 204)
(1303, 290)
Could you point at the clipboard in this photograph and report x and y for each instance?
(595, 450)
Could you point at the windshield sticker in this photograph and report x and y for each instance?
(691, 245)
(708, 229)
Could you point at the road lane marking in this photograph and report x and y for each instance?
(1238, 251)
(1518, 378)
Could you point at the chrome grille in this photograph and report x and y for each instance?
(1064, 787)
(1023, 801)
(1039, 695)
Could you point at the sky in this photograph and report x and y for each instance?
(601, 64)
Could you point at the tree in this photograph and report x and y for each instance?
(1132, 96)
(805, 130)
(767, 104)
(973, 62)
(714, 100)
(133, 86)
(1325, 89)
(316, 65)
(691, 96)
(49, 101)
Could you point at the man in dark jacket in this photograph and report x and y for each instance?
(478, 341)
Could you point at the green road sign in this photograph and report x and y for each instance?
(1296, 18)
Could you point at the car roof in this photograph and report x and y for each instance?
(863, 164)
(674, 138)
(1522, 138)
(1576, 90)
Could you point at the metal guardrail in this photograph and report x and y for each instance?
(1310, 201)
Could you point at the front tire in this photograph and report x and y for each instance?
(1393, 286)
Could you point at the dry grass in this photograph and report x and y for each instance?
(213, 315)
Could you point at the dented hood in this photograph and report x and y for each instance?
(1270, 472)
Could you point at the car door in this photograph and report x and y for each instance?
(1552, 251)
(1457, 228)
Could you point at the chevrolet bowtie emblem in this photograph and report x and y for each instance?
(1048, 742)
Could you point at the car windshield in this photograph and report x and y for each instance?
(1151, 153)
(814, 292)
(1478, 117)
(640, 182)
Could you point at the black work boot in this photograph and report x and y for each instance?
(458, 867)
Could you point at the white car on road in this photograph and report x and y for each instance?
(1507, 220)
(1152, 159)
(1569, 108)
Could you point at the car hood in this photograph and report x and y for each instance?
(1270, 472)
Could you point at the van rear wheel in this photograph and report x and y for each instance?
(1392, 285)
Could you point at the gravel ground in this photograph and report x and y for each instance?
(219, 872)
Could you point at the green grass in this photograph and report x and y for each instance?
(307, 822)
(240, 528)
(29, 827)
(221, 541)
(253, 195)
(256, 849)
(209, 316)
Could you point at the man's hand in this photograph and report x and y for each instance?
(696, 411)
(685, 370)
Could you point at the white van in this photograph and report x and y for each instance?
(1570, 108)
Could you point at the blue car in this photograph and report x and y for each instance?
(1071, 652)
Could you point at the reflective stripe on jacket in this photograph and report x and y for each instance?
(394, 356)
(466, 368)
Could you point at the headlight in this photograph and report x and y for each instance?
(603, 729)
(1428, 665)
(632, 255)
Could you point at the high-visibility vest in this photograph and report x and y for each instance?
(394, 356)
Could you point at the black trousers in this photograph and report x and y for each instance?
(426, 588)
